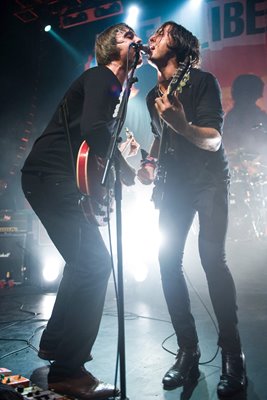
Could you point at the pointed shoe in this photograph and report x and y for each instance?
(233, 379)
(184, 369)
(83, 386)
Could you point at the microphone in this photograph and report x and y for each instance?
(144, 48)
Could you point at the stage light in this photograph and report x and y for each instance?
(195, 3)
(66, 45)
(47, 28)
(139, 270)
(132, 17)
(52, 268)
(141, 236)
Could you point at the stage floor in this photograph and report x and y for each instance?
(25, 309)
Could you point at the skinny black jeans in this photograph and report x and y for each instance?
(73, 326)
(180, 204)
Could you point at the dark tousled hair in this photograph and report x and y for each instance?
(247, 86)
(184, 43)
(106, 49)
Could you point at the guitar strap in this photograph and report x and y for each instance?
(64, 115)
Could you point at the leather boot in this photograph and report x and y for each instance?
(233, 378)
(184, 369)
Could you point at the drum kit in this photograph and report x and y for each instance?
(248, 197)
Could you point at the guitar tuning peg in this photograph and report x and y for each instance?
(129, 134)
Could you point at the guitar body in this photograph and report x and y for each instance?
(97, 201)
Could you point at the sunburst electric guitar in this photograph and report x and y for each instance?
(97, 201)
(177, 83)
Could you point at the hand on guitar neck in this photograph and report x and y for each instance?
(128, 149)
(97, 200)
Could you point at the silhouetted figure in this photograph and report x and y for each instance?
(245, 126)
(245, 139)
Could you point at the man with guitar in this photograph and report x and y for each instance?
(190, 172)
(49, 184)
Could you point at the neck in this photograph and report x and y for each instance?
(118, 70)
(165, 73)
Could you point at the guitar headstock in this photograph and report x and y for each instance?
(181, 76)
(130, 147)
(129, 134)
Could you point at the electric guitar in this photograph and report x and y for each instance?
(97, 201)
(177, 84)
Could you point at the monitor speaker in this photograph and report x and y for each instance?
(12, 255)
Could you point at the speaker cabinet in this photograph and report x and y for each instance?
(12, 254)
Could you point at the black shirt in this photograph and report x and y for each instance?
(91, 101)
(201, 99)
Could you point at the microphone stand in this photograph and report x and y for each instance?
(113, 159)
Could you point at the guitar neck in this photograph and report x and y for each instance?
(179, 80)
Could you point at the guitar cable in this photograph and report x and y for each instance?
(212, 320)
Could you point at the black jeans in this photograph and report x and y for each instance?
(72, 329)
(180, 204)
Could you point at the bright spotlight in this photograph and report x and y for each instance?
(47, 28)
(132, 17)
(52, 268)
(138, 269)
(140, 243)
(195, 3)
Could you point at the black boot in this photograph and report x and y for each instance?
(184, 369)
(233, 378)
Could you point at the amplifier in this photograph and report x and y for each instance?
(13, 221)
(12, 254)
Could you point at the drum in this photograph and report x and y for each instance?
(240, 218)
(259, 205)
(248, 197)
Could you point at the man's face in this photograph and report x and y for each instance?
(124, 38)
(158, 43)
